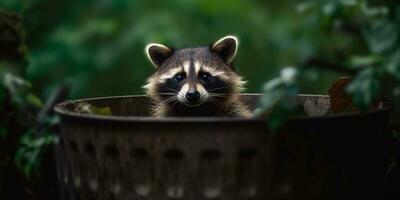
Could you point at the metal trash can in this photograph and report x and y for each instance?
(130, 155)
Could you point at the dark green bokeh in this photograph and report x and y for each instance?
(97, 46)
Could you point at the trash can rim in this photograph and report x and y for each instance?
(61, 110)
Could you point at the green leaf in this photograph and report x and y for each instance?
(29, 153)
(374, 11)
(381, 35)
(52, 120)
(34, 100)
(393, 66)
(364, 88)
(367, 60)
(28, 160)
(16, 86)
(330, 8)
(305, 6)
(278, 98)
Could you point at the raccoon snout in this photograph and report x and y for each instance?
(192, 96)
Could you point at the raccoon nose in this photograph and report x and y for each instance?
(192, 95)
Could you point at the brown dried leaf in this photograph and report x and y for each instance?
(339, 100)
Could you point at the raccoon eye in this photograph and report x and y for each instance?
(179, 77)
(205, 77)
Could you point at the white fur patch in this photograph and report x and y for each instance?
(203, 92)
(186, 66)
(182, 93)
(197, 67)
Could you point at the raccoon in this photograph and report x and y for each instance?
(199, 81)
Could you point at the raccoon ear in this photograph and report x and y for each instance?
(226, 48)
(158, 53)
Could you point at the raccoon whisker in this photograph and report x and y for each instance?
(168, 94)
(218, 95)
(173, 104)
(172, 89)
(220, 82)
(217, 86)
(168, 99)
(213, 89)
(203, 94)
(216, 101)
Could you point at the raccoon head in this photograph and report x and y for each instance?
(193, 77)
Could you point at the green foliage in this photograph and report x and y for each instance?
(381, 32)
(378, 28)
(97, 46)
(365, 88)
(381, 35)
(393, 65)
(29, 155)
(279, 98)
(16, 86)
(369, 44)
(21, 106)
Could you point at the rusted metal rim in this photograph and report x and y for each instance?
(64, 112)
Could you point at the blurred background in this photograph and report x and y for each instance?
(95, 48)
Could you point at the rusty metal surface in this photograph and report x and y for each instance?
(138, 157)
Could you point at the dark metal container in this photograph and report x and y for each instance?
(130, 155)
